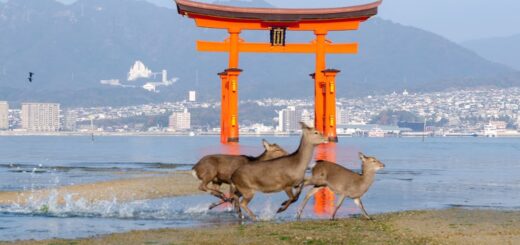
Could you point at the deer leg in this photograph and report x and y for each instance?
(358, 202)
(231, 191)
(246, 198)
(215, 192)
(298, 192)
(229, 199)
(340, 202)
(236, 200)
(298, 189)
(306, 199)
(216, 204)
(286, 204)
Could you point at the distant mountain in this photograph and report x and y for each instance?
(70, 48)
(505, 50)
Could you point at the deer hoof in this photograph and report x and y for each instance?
(230, 200)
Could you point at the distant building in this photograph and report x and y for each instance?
(192, 96)
(500, 125)
(111, 82)
(288, 119)
(341, 117)
(180, 120)
(70, 121)
(4, 115)
(151, 87)
(307, 117)
(41, 117)
(139, 70)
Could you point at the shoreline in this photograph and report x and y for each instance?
(446, 226)
(442, 226)
(216, 134)
(178, 183)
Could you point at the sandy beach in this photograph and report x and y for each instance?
(450, 226)
(150, 187)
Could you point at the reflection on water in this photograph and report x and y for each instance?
(232, 148)
(324, 199)
(437, 173)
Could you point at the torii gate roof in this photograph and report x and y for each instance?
(364, 11)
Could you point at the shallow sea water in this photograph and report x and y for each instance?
(437, 173)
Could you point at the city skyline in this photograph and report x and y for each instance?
(448, 112)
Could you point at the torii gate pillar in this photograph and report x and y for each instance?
(277, 22)
(329, 91)
(229, 105)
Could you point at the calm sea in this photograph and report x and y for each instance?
(436, 173)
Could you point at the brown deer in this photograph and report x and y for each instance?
(343, 181)
(218, 169)
(280, 174)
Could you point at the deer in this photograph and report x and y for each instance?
(275, 175)
(218, 168)
(343, 182)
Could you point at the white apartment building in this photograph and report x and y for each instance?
(180, 120)
(70, 121)
(307, 117)
(192, 96)
(41, 117)
(288, 119)
(341, 116)
(4, 115)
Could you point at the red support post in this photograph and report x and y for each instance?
(319, 80)
(330, 104)
(232, 128)
(223, 106)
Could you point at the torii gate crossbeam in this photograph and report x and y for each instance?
(278, 21)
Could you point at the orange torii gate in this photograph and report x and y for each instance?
(278, 21)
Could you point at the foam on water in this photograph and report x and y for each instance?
(439, 173)
(268, 212)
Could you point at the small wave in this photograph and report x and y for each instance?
(198, 209)
(73, 206)
(268, 212)
(93, 167)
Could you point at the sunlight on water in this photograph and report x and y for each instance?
(439, 173)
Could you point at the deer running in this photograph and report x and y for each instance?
(343, 181)
(218, 169)
(280, 174)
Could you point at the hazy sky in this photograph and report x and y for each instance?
(458, 20)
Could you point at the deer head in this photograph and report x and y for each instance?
(273, 150)
(370, 162)
(312, 135)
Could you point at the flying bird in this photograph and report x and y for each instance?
(30, 76)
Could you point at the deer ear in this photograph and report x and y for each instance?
(362, 156)
(304, 126)
(266, 144)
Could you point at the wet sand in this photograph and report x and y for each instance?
(149, 187)
(451, 226)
